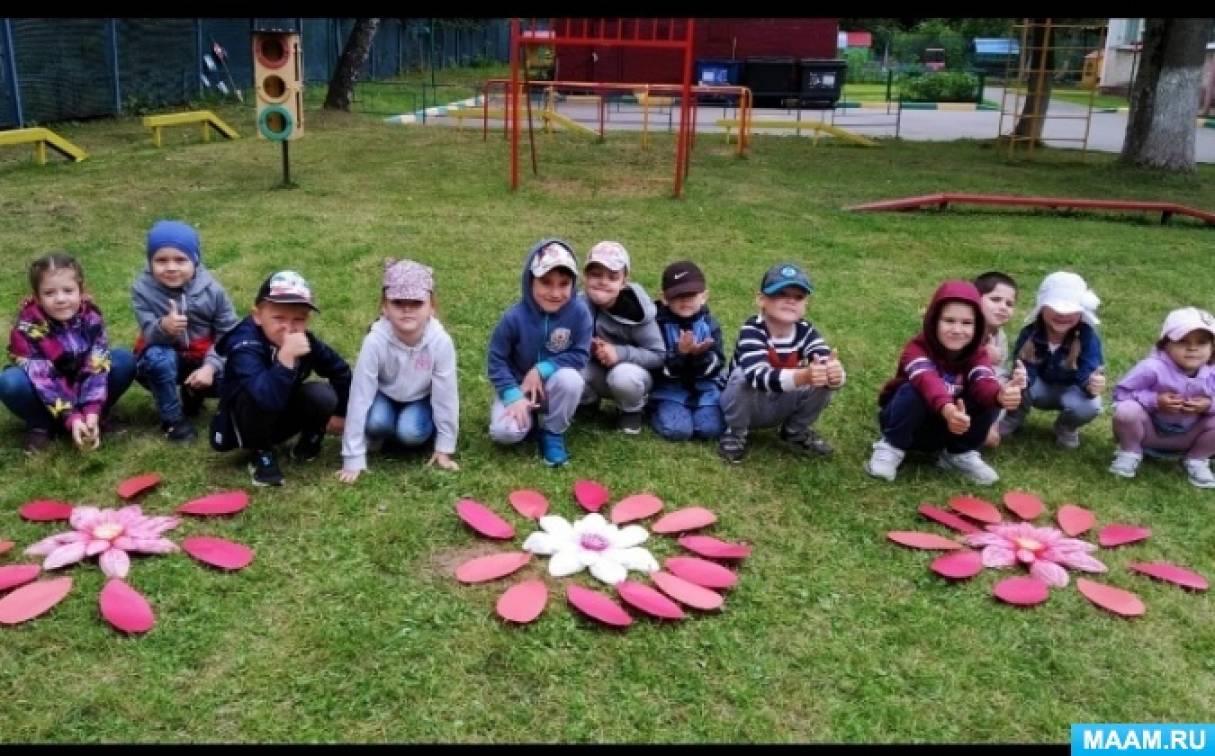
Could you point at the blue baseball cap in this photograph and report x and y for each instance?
(785, 274)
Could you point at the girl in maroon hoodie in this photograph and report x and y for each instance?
(945, 395)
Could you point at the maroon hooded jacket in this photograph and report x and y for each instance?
(939, 375)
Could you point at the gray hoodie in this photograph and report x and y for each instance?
(207, 307)
(403, 373)
(630, 327)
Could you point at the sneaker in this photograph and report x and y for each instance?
(807, 442)
(181, 432)
(1068, 438)
(1199, 471)
(971, 465)
(1008, 425)
(36, 440)
(630, 422)
(732, 448)
(885, 461)
(308, 447)
(552, 448)
(1125, 463)
(191, 401)
(264, 468)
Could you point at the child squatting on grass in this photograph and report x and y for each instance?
(63, 370)
(998, 299)
(1163, 406)
(944, 396)
(404, 388)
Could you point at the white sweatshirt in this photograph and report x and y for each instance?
(403, 373)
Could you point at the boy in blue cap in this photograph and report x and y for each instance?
(181, 310)
(782, 373)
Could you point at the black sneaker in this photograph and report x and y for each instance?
(36, 440)
(264, 468)
(807, 442)
(308, 447)
(731, 448)
(180, 432)
(191, 401)
(630, 422)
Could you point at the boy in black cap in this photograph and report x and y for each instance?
(783, 371)
(686, 399)
(264, 399)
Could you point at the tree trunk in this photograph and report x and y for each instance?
(1164, 95)
(1040, 79)
(358, 45)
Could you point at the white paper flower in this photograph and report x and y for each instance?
(592, 542)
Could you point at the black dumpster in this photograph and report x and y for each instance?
(772, 80)
(822, 81)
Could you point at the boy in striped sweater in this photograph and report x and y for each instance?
(782, 373)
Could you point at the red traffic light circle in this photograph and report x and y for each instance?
(271, 50)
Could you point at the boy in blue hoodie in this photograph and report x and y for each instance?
(264, 399)
(538, 351)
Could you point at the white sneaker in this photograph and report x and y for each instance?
(971, 465)
(1068, 438)
(1199, 471)
(885, 461)
(1125, 463)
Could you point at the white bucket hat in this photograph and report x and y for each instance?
(1181, 322)
(1066, 293)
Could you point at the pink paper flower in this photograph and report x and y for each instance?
(1045, 551)
(108, 534)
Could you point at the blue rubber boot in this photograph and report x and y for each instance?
(552, 448)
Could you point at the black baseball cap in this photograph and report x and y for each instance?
(785, 274)
(681, 278)
(286, 287)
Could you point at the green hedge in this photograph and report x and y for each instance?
(944, 86)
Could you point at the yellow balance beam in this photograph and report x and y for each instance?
(816, 126)
(41, 138)
(568, 123)
(204, 117)
(475, 113)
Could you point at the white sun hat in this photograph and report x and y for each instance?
(1066, 293)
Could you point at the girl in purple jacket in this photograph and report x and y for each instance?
(1163, 408)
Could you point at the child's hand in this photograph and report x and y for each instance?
(85, 433)
(521, 411)
(1020, 376)
(1010, 396)
(816, 371)
(533, 388)
(606, 354)
(201, 378)
(443, 460)
(1170, 402)
(835, 370)
(348, 476)
(174, 323)
(294, 346)
(1096, 382)
(687, 343)
(956, 417)
(1197, 405)
(335, 426)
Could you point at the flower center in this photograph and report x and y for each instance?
(108, 531)
(594, 542)
(1028, 544)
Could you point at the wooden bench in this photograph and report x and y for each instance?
(818, 127)
(206, 118)
(945, 199)
(41, 139)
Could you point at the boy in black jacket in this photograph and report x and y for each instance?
(264, 399)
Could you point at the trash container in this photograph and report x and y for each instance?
(772, 80)
(822, 81)
(717, 72)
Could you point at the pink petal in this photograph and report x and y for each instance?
(688, 594)
(703, 573)
(1171, 573)
(218, 552)
(531, 504)
(524, 602)
(50, 543)
(708, 546)
(1108, 597)
(115, 563)
(84, 518)
(132, 487)
(46, 511)
(986, 539)
(483, 520)
(975, 508)
(1078, 560)
(597, 606)
(1074, 520)
(998, 557)
(918, 540)
(14, 575)
(29, 601)
(1049, 573)
(95, 547)
(124, 608)
(648, 600)
(1025, 556)
(958, 565)
(69, 553)
(227, 502)
(151, 545)
(590, 495)
(1023, 505)
(1021, 591)
(689, 518)
(491, 567)
(126, 543)
(636, 507)
(948, 519)
(1117, 535)
(128, 515)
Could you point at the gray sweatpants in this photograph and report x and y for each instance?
(1076, 407)
(626, 383)
(745, 408)
(562, 391)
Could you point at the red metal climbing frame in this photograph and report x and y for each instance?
(655, 33)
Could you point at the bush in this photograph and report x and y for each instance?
(945, 86)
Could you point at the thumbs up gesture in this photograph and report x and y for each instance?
(1096, 382)
(174, 323)
(956, 418)
(816, 371)
(1020, 376)
(835, 370)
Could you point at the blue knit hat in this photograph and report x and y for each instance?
(177, 235)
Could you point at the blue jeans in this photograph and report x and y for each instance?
(17, 392)
(909, 423)
(409, 423)
(676, 422)
(161, 369)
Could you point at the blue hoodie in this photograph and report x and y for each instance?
(528, 337)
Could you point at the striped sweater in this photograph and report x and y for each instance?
(769, 364)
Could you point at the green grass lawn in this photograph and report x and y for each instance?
(404, 94)
(349, 626)
(1081, 97)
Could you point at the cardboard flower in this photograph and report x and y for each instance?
(1047, 552)
(591, 542)
(107, 534)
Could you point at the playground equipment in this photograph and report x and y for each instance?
(944, 200)
(278, 77)
(206, 118)
(818, 127)
(41, 139)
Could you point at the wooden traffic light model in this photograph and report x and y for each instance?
(278, 78)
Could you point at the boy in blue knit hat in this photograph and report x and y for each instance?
(182, 310)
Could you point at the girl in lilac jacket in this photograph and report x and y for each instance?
(1163, 406)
